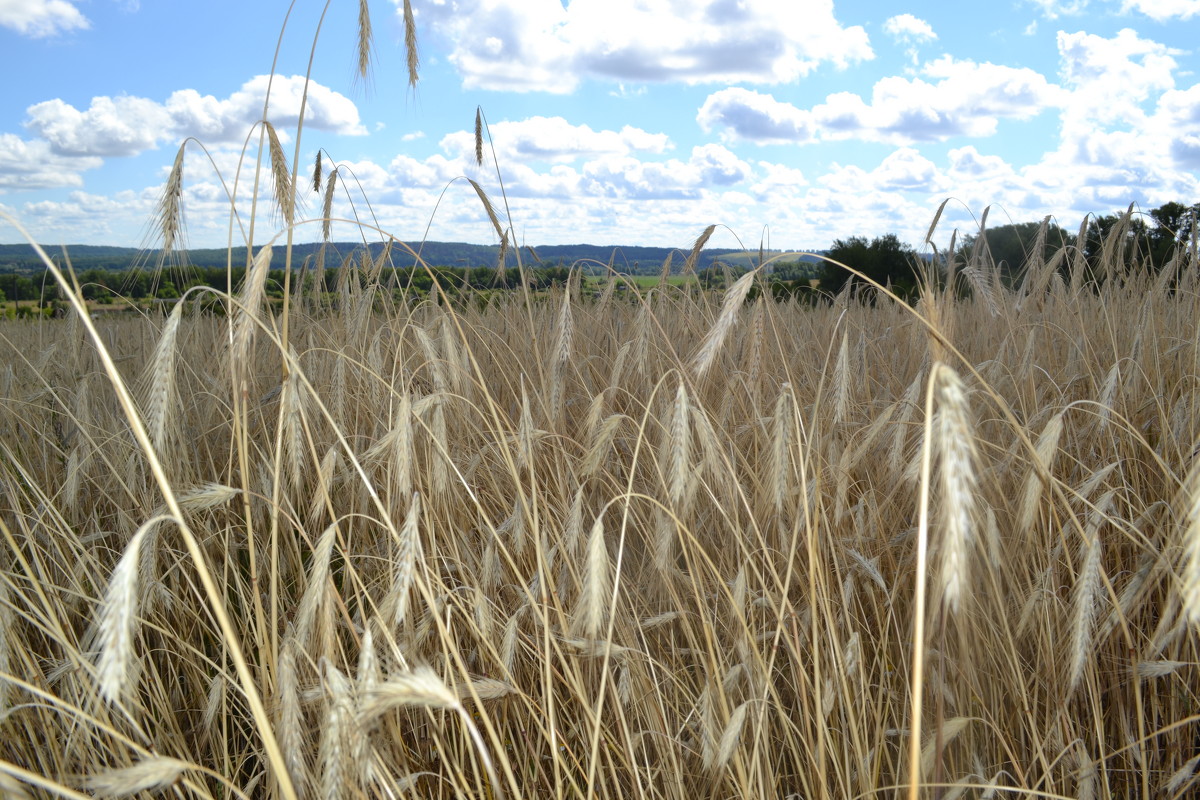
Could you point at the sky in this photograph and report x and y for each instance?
(786, 123)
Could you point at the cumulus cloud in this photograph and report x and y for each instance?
(963, 99)
(626, 177)
(1109, 79)
(555, 140)
(756, 117)
(40, 18)
(779, 182)
(907, 28)
(124, 126)
(29, 165)
(540, 45)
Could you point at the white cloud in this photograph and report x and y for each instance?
(1053, 9)
(1162, 10)
(967, 163)
(40, 18)
(757, 117)
(964, 99)
(123, 126)
(85, 217)
(27, 165)
(779, 182)
(908, 28)
(538, 45)
(556, 140)
(1110, 79)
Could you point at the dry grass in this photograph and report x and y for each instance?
(649, 545)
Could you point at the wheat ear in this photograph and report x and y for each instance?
(7, 621)
(281, 177)
(252, 297)
(327, 211)
(160, 381)
(701, 240)
(152, 773)
(364, 39)
(118, 615)
(597, 584)
(1181, 776)
(411, 57)
(1044, 451)
(478, 136)
(679, 453)
(956, 450)
(1191, 551)
(339, 733)
(314, 592)
(170, 210)
(406, 559)
(291, 729)
(1088, 586)
(716, 336)
(732, 734)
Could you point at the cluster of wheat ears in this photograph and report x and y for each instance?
(638, 544)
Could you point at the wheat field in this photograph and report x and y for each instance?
(655, 543)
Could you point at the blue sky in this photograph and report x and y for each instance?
(613, 121)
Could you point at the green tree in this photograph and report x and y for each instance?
(1174, 225)
(1115, 242)
(1012, 247)
(884, 259)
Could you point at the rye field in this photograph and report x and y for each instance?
(669, 544)
(654, 542)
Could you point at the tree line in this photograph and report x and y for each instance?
(1122, 241)
(39, 292)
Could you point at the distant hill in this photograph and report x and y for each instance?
(628, 259)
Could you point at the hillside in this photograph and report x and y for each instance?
(629, 259)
